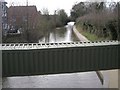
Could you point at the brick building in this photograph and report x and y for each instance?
(24, 17)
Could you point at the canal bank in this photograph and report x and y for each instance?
(79, 35)
(109, 77)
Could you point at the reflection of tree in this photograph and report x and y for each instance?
(55, 20)
(46, 23)
(59, 33)
(50, 22)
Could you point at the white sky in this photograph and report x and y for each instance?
(52, 5)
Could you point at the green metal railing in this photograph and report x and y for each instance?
(40, 59)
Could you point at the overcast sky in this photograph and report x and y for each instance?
(52, 5)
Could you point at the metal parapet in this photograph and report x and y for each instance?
(56, 58)
(27, 46)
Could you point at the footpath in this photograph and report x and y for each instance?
(79, 35)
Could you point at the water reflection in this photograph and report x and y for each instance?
(64, 34)
(68, 35)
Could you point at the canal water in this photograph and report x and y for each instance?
(73, 80)
(64, 34)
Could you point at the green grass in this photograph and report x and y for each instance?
(90, 36)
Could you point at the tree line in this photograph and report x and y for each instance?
(48, 23)
(100, 18)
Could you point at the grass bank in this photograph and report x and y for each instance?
(90, 36)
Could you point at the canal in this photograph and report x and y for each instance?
(73, 80)
(63, 34)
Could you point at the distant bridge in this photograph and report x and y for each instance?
(21, 59)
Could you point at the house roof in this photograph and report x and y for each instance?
(22, 10)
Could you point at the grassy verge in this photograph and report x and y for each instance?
(90, 36)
